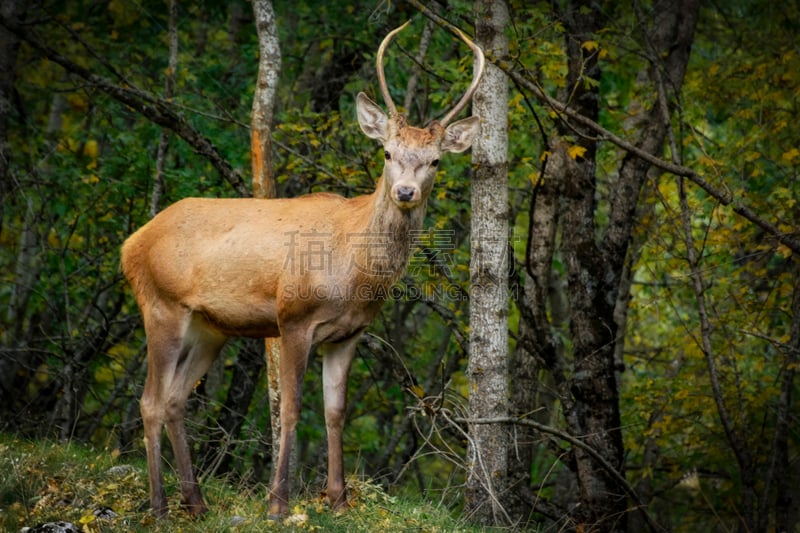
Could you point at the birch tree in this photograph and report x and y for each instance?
(269, 65)
(487, 369)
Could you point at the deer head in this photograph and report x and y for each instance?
(412, 154)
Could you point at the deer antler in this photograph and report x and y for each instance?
(480, 63)
(387, 98)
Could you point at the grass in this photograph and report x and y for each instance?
(43, 481)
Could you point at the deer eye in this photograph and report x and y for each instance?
(387, 155)
(435, 163)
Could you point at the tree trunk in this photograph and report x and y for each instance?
(10, 10)
(487, 369)
(9, 45)
(537, 346)
(169, 90)
(592, 413)
(269, 66)
(595, 266)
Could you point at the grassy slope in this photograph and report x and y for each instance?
(46, 481)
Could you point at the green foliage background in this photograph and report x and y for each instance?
(82, 171)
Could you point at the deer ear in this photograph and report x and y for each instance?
(459, 135)
(373, 121)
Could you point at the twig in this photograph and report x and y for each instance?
(640, 506)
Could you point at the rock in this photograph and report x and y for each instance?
(53, 527)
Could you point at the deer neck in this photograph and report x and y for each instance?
(391, 232)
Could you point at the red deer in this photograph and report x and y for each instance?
(205, 270)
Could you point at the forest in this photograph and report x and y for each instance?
(599, 326)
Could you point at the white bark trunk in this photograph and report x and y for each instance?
(269, 66)
(487, 369)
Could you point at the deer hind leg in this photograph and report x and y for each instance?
(295, 345)
(202, 346)
(152, 409)
(177, 358)
(337, 358)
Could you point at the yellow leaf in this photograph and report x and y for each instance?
(87, 518)
(576, 151)
(78, 102)
(590, 46)
(706, 161)
(784, 250)
(53, 240)
(683, 393)
(90, 148)
(790, 156)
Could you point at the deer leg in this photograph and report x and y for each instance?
(163, 348)
(201, 354)
(294, 358)
(153, 420)
(337, 358)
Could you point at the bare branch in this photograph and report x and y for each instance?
(641, 507)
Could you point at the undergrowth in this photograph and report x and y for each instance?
(43, 481)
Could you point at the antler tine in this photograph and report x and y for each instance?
(387, 98)
(480, 63)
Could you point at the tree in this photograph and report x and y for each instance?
(9, 45)
(487, 370)
(594, 256)
(263, 178)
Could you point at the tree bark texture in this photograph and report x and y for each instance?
(487, 369)
(539, 297)
(269, 65)
(592, 411)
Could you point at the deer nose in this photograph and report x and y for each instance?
(405, 193)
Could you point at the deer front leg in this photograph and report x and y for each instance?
(295, 346)
(336, 362)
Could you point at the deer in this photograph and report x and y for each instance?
(313, 270)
